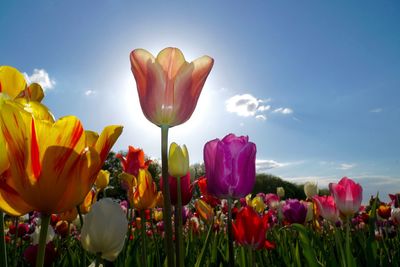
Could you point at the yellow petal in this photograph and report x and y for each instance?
(11, 202)
(4, 162)
(178, 162)
(102, 180)
(37, 109)
(33, 92)
(91, 138)
(12, 82)
(107, 139)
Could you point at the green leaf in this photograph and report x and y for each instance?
(308, 251)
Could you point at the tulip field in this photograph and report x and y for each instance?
(58, 209)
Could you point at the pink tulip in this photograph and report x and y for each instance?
(168, 85)
(348, 196)
(327, 208)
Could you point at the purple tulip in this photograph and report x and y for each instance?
(294, 211)
(230, 166)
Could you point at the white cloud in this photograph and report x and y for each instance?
(245, 105)
(346, 166)
(263, 165)
(41, 76)
(376, 110)
(90, 92)
(284, 111)
(261, 117)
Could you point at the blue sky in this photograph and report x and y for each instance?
(315, 84)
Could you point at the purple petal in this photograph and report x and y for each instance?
(244, 170)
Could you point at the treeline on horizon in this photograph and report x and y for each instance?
(265, 183)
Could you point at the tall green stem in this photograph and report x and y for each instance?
(179, 250)
(349, 254)
(143, 237)
(252, 262)
(230, 235)
(169, 245)
(3, 252)
(98, 259)
(45, 218)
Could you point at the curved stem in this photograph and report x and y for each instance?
(179, 253)
(45, 218)
(169, 245)
(143, 237)
(3, 252)
(230, 235)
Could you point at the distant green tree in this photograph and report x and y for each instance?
(267, 183)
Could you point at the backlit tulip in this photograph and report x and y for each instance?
(384, 211)
(310, 189)
(186, 189)
(178, 160)
(327, 208)
(104, 229)
(133, 161)
(168, 86)
(348, 196)
(145, 194)
(258, 204)
(280, 191)
(294, 211)
(249, 228)
(52, 169)
(230, 166)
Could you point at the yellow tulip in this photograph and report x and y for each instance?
(158, 215)
(178, 161)
(87, 203)
(102, 180)
(12, 82)
(258, 204)
(145, 194)
(52, 169)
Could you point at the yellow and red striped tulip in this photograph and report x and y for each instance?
(145, 194)
(168, 85)
(52, 169)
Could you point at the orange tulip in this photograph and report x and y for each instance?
(168, 86)
(50, 169)
(145, 194)
(205, 211)
(89, 200)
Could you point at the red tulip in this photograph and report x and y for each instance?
(133, 161)
(186, 189)
(348, 196)
(250, 228)
(168, 86)
(202, 183)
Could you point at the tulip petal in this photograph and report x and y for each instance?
(11, 202)
(91, 138)
(150, 81)
(33, 92)
(37, 109)
(171, 60)
(4, 162)
(188, 85)
(235, 143)
(244, 170)
(107, 139)
(12, 82)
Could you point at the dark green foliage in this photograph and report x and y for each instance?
(267, 183)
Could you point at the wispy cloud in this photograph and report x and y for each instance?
(41, 76)
(245, 105)
(376, 110)
(284, 111)
(346, 166)
(90, 92)
(263, 165)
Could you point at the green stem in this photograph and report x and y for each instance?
(3, 252)
(230, 235)
(169, 245)
(98, 259)
(179, 251)
(349, 254)
(252, 262)
(42, 239)
(143, 237)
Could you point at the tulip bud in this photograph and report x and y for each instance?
(104, 229)
(280, 191)
(310, 189)
(102, 180)
(178, 160)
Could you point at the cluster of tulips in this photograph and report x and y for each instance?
(52, 190)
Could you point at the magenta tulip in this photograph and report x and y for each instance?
(230, 166)
(294, 211)
(348, 196)
(327, 208)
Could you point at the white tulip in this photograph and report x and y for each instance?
(310, 189)
(104, 229)
(35, 235)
